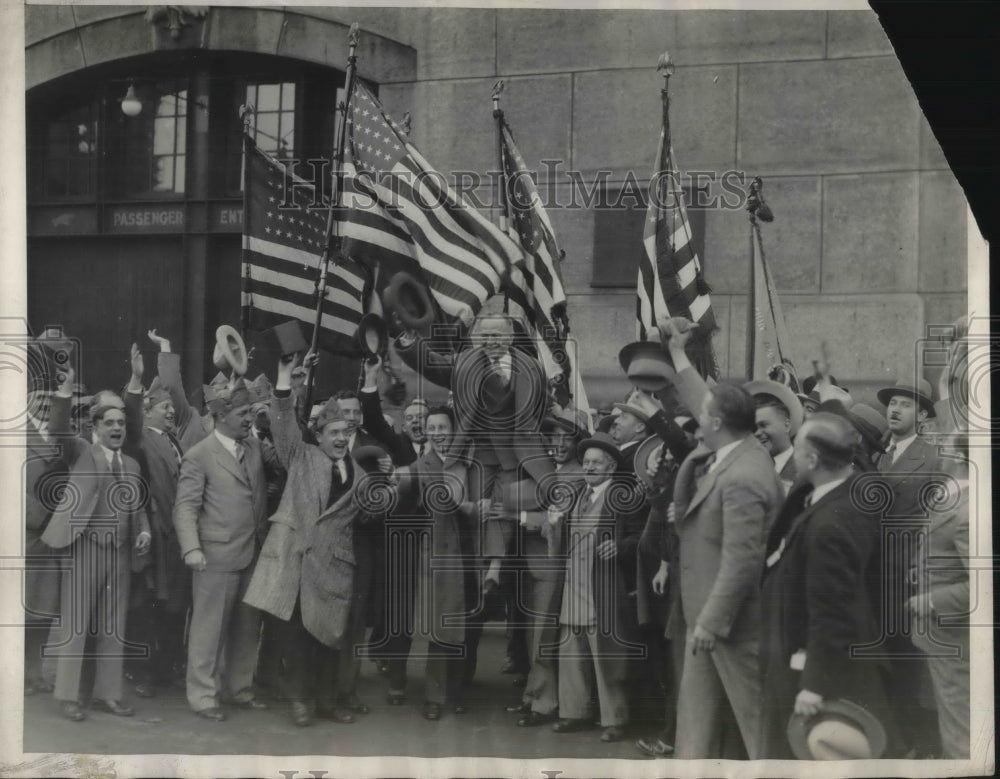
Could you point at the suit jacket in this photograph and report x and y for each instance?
(815, 597)
(44, 470)
(88, 502)
(221, 507)
(907, 476)
(160, 466)
(946, 577)
(503, 421)
(442, 490)
(722, 523)
(309, 552)
(615, 618)
(399, 445)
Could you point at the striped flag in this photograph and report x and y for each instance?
(535, 287)
(670, 280)
(284, 232)
(400, 214)
(770, 338)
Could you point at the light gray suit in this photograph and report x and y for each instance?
(221, 508)
(722, 521)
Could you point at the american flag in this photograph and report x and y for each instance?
(400, 214)
(535, 287)
(284, 232)
(670, 280)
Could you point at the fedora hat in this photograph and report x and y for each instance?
(367, 456)
(921, 392)
(282, 340)
(372, 336)
(643, 453)
(783, 394)
(810, 401)
(842, 730)
(870, 423)
(647, 365)
(407, 296)
(628, 408)
(564, 419)
(601, 441)
(230, 351)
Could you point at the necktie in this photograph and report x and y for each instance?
(116, 465)
(808, 501)
(176, 446)
(588, 502)
(886, 462)
(421, 449)
(241, 458)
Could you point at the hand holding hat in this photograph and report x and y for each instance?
(676, 330)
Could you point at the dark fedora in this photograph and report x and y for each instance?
(643, 454)
(842, 730)
(921, 392)
(870, 423)
(372, 336)
(647, 365)
(408, 298)
(367, 456)
(564, 419)
(601, 441)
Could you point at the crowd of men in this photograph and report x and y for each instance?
(750, 566)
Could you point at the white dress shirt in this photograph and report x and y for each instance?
(721, 452)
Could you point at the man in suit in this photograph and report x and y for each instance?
(777, 419)
(399, 580)
(907, 465)
(99, 522)
(159, 622)
(815, 603)
(500, 396)
(43, 468)
(941, 604)
(595, 640)
(189, 425)
(307, 569)
(220, 516)
(726, 495)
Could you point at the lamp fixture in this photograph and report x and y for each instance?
(131, 105)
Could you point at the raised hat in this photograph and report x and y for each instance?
(230, 351)
(601, 441)
(604, 423)
(372, 336)
(809, 401)
(647, 365)
(783, 394)
(643, 453)
(367, 456)
(842, 730)
(408, 297)
(920, 392)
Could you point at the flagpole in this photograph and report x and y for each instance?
(246, 114)
(332, 247)
(756, 208)
(502, 179)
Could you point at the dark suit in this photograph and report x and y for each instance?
(98, 522)
(722, 519)
(221, 509)
(904, 519)
(44, 465)
(945, 636)
(815, 598)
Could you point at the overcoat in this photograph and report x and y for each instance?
(309, 552)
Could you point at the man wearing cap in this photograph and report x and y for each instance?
(308, 567)
(907, 465)
(219, 513)
(777, 419)
(726, 495)
(101, 527)
(595, 640)
(815, 601)
(159, 623)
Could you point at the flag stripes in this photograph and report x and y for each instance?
(283, 241)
